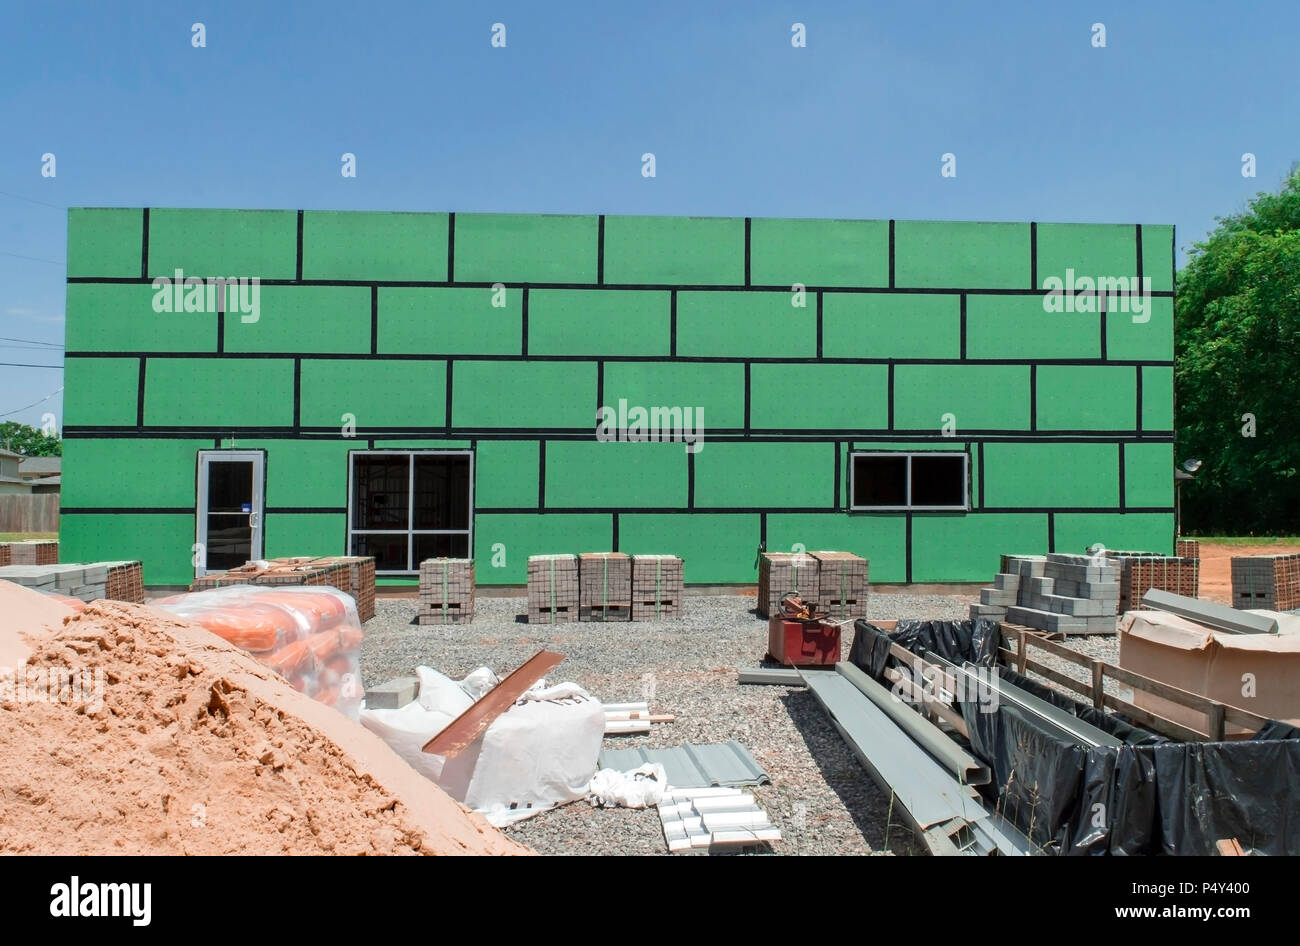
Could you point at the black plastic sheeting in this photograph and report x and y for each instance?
(1151, 795)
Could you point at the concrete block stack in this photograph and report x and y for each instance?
(552, 589)
(446, 591)
(85, 581)
(1271, 582)
(29, 553)
(1072, 594)
(841, 584)
(604, 586)
(656, 587)
(783, 573)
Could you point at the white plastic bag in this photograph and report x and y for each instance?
(642, 787)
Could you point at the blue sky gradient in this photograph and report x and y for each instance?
(1045, 127)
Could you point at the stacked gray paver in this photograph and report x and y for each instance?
(1072, 594)
(86, 582)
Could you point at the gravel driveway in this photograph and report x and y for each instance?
(820, 797)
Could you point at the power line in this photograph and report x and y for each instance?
(34, 259)
(34, 341)
(14, 364)
(32, 201)
(33, 404)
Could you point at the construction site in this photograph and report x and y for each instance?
(511, 534)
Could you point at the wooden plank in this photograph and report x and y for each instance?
(1064, 679)
(469, 725)
(1153, 722)
(935, 709)
(1098, 684)
(1214, 722)
(901, 653)
(1229, 847)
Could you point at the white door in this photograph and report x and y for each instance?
(228, 509)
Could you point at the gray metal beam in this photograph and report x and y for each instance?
(1216, 616)
(929, 795)
(773, 677)
(1067, 724)
(967, 768)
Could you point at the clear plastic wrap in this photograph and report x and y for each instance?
(308, 635)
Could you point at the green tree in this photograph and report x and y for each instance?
(30, 442)
(1237, 358)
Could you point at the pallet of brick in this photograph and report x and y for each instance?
(604, 586)
(357, 576)
(29, 553)
(124, 582)
(656, 587)
(1187, 548)
(842, 584)
(1271, 582)
(446, 591)
(1141, 571)
(784, 573)
(552, 589)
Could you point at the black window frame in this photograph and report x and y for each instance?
(908, 506)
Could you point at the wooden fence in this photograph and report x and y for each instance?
(29, 512)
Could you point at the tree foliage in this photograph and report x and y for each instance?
(30, 442)
(1237, 368)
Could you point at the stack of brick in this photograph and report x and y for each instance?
(1072, 594)
(656, 587)
(29, 553)
(1271, 582)
(1188, 548)
(357, 577)
(353, 574)
(552, 589)
(118, 581)
(842, 584)
(784, 573)
(1142, 571)
(125, 582)
(604, 586)
(446, 591)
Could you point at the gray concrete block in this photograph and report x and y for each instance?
(997, 596)
(394, 694)
(1004, 582)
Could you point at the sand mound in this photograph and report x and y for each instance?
(195, 748)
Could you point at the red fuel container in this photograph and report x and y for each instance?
(803, 643)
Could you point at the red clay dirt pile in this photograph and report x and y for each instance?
(194, 748)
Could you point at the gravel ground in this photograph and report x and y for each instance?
(820, 797)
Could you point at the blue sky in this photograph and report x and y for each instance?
(1045, 127)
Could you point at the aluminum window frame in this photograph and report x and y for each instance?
(410, 531)
(909, 455)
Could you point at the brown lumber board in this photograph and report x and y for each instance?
(469, 725)
(1152, 721)
(934, 707)
(1193, 701)
(1229, 847)
(909, 659)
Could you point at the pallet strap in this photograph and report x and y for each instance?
(444, 591)
(552, 561)
(842, 595)
(658, 593)
(604, 588)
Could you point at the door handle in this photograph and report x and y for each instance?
(252, 520)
